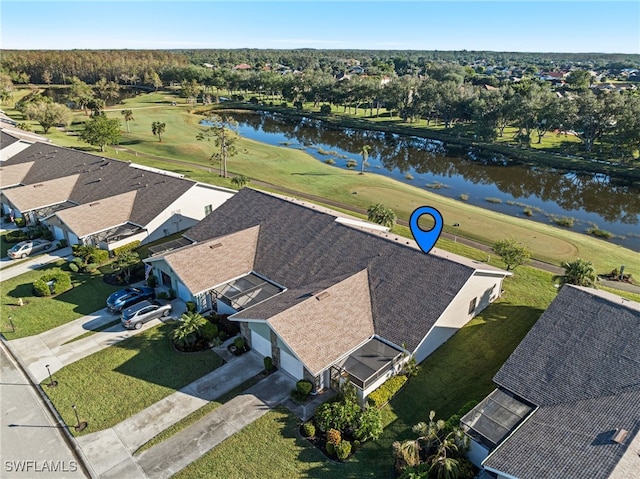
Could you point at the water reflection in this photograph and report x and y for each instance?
(611, 204)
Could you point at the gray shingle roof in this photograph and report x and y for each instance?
(6, 139)
(300, 248)
(580, 364)
(102, 178)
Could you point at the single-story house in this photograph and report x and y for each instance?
(324, 299)
(568, 398)
(13, 140)
(87, 199)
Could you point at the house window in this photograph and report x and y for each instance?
(208, 209)
(472, 305)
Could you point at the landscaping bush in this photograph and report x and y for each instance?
(191, 306)
(384, 393)
(325, 109)
(162, 295)
(369, 425)
(78, 261)
(209, 331)
(73, 267)
(90, 268)
(222, 335)
(304, 387)
(268, 364)
(343, 450)
(239, 342)
(152, 281)
(20, 222)
(309, 429)
(331, 449)
(334, 436)
(61, 283)
(98, 256)
(337, 415)
(126, 247)
(15, 236)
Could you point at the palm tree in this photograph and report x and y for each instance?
(128, 116)
(240, 181)
(365, 156)
(578, 272)
(382, 215)
(157, 128)
(187, 332)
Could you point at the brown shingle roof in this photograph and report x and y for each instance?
(99, 215)
(335, 320)
(14, 174)
(47, 193)
(204, 265)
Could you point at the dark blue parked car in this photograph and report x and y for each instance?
(124, 298)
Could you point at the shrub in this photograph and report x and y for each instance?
(309, 429)
(239, 342)
(61, 283)
(20, 222)
(528, 212)
(253, 100)
(384, 393)
(297, 105)
(127, 247)
(325, 109)
(73, 267)
(222, 335)
(331, 449)
(566, 221)
(343, 450)
(600, 233)
(334, 436)
(209, 331)
(191, 306)
(356, 444)
(15, 236)
(337, 415)
(98, 256)
(304, 387)
(77, 261)
(369, 424)
(268, 364)
(330, 161)
(90, 268)
(351, 163)
(152, 281)
(172, 293)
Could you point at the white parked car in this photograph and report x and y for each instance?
(29, 247)
(135, 316)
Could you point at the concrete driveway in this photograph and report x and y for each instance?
(10, 268)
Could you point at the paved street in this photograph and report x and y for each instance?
(31, 445)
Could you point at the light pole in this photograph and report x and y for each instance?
(52, 383)
(80, 426)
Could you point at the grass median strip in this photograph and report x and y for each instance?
(122, 380)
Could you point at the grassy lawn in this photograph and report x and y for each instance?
(122, 380)
(459, 371)
(4, 246)
(43, 313)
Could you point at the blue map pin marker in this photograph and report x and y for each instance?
(426, 239)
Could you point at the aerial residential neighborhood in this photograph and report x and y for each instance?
(320, 240)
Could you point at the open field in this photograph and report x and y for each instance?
(295, 170)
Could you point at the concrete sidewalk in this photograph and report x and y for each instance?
(11, 268)
(37, 351)
(110, 451)
(180, 450)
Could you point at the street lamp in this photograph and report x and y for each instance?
(80, 426)
(52, 383)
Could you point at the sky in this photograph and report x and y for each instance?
(526, 26)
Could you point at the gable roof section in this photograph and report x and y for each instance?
(7, 139)
(298, 247)
(584, 345)
(101, 178)
(334, 321)
(580, 364)
(13, 175)
(39, 195)
(202, 266)
(100, 215)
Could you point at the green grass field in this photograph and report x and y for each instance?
(117, 382)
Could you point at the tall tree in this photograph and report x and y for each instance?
(80, 93)
(223, 132)
(47, 114)
(101, 131)
(47, 77)
(128, 116)
(157, 128)
(512, 253)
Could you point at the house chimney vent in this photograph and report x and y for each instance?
(214, 246)
(323, 295)
(620, 435)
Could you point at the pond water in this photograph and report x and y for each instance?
(498, 184)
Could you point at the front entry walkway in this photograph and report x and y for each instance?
(177, 452)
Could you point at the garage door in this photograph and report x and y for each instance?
(260, 344)
(291, 365)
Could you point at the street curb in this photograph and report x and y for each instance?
(83, 462)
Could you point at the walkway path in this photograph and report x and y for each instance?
(110, 451)
(177, 452)
(11, 268)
